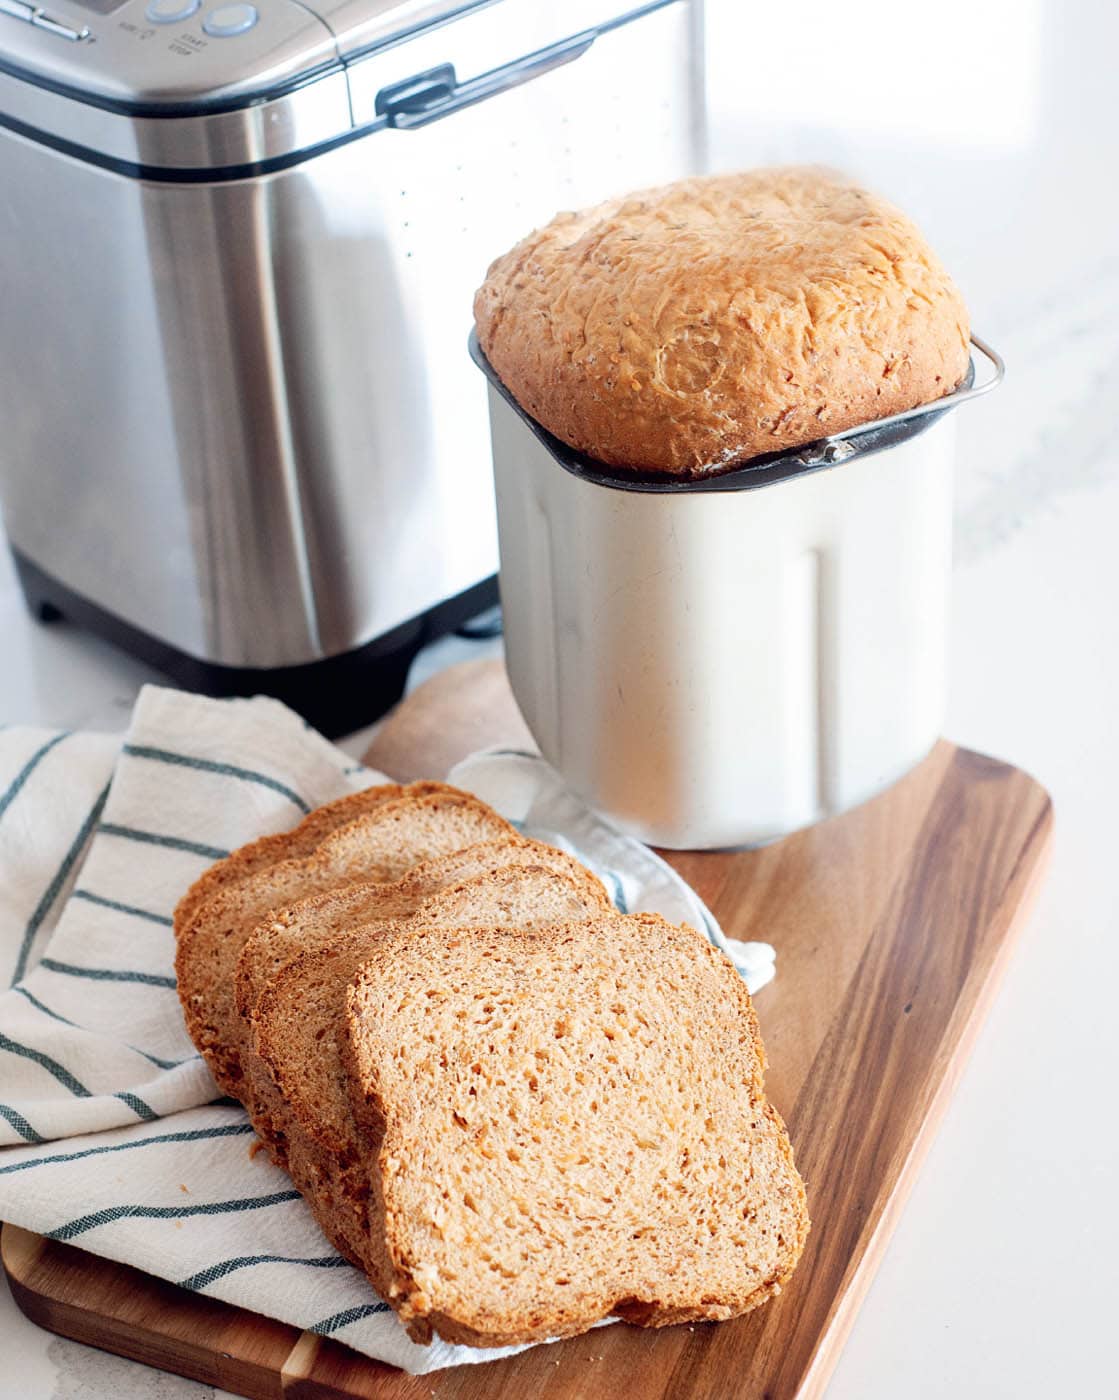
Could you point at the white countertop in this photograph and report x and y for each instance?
(1002, 1276)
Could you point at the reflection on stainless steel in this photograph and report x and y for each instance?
(272, 446)
(309, 117)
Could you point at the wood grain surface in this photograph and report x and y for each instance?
(892, 924)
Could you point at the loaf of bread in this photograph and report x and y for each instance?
(565, 1127)
(687, 329)
(515, 1109)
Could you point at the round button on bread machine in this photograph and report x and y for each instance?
(171, 11)
(228, 20)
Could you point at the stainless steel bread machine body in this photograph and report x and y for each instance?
(239, 246)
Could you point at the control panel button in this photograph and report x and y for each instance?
(58, 26)
(171, 11)
(17, 9)
(228, 20)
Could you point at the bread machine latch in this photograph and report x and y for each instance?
(436, 92)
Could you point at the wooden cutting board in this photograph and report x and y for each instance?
(892, 925)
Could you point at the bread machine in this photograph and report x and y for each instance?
(238, 243)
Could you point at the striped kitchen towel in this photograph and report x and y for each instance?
(112, 1132)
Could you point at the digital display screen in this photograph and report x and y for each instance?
(100, 7)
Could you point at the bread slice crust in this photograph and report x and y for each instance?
(381, 845)
(299, 841)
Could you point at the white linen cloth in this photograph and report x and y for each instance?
(112, 1132)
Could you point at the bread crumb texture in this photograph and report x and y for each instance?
(569, 1126)
(302, 1011)
(686, 329)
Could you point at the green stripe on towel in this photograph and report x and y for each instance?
(343, 1319)
(20, 1124)
(620, 903)
(102, 902)
(137, 1105)
(105, 974)
(171, 843)
(228, 770)
(12, 791)
(53, 890)
(113, 1213)
(60, 1072)
(39, 1006)
(205, 1277)
(190, 1135)
(65, 1020)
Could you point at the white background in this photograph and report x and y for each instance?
(994, 124)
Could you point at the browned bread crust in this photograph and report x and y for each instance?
(380, 845)
(566, 1127)
(289, 845)
(683, 330)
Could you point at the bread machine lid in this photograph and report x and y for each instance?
(412, 62)
(510, 28)
(208, 89)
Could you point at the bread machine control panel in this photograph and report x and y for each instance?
(220, 22)
(189, 54)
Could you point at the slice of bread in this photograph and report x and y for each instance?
(566, 1127)
(290, 845)
(318, 921)
(381, 845)
(299, 1017)
(320, 918)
